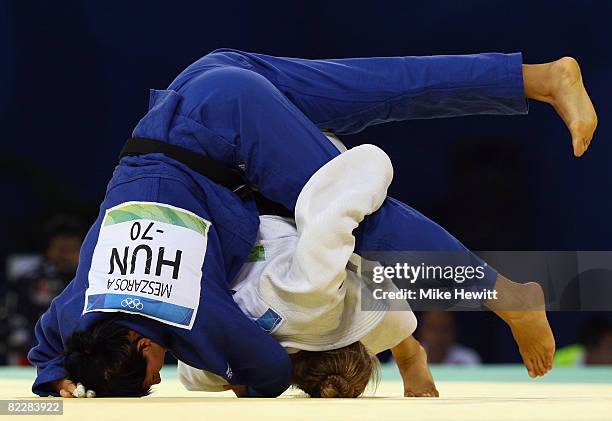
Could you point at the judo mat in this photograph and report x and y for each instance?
(484, 393)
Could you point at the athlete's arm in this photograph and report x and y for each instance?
(411, 360)
(256, 360)
(239, 390)
(47, 356)
(196, 379)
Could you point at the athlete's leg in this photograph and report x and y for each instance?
(522, 307)
(347, 95)
(397, 227)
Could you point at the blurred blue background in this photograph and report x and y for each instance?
(75, 75)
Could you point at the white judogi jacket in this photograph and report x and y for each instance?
(302, 281)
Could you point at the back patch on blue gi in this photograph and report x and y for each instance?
(269, 320)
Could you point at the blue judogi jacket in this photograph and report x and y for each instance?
(263, 115)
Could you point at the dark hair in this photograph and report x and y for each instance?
(105, 360)
(339, 373)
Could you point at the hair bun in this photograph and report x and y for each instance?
(336, 386)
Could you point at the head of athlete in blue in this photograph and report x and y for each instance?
(113, 360)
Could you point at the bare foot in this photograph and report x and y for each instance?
(418, 382)
(571, 101)
(560, 84)
(526, 317)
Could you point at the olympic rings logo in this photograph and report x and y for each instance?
(134, 303)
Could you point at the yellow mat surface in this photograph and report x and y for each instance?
(460, 400)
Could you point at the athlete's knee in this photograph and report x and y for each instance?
(228, 84)
(225, 95)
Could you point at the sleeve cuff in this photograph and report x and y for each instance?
(53, 371)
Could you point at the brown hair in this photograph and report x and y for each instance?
(338, 373)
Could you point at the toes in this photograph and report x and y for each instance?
(539, 364)
(544, 364)
(582, 134)
(586, 143)
(549, 362)
(530, 367)
(579, 147)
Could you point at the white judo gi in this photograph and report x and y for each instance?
(302, 282)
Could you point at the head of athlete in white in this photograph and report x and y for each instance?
(338, 373)
(113, 360)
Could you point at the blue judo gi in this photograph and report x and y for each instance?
(263, 115)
